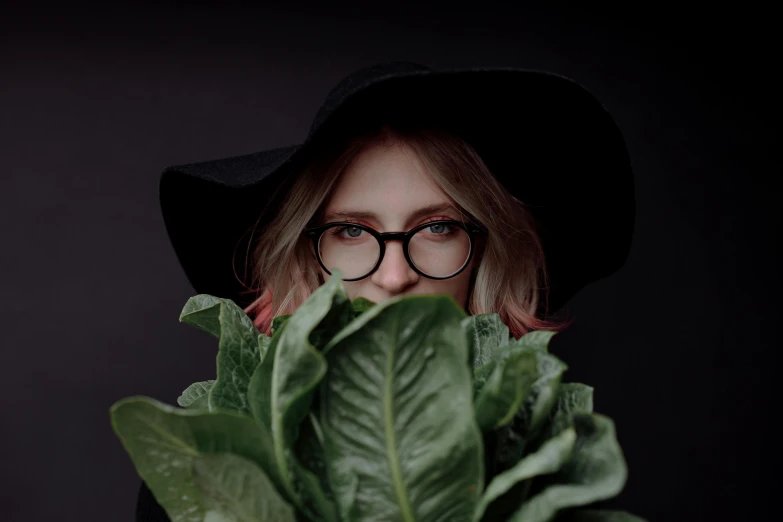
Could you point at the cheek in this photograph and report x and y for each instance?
(353, 289)
(352, 294)
(458, 287)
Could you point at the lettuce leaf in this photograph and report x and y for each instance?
(354, 411)
(396, 409)
(168, 445)
(238, 349)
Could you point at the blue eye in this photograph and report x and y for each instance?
(352, 231)
(435, 230)
(440, 229)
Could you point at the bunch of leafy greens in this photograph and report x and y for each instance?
(407, 410)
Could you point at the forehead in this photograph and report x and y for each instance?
(389, 181)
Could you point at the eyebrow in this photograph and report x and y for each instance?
(362, 214)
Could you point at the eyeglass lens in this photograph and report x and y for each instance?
(439, 250)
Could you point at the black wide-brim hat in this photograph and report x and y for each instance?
(547, 139)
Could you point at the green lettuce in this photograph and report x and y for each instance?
(351, 411)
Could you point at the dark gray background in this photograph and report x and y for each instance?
(681, 345)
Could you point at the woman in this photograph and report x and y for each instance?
(479, 246)
(509, 190)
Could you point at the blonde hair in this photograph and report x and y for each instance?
(510, 279)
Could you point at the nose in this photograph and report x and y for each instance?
(395, 274)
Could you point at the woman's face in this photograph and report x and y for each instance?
(392, 186)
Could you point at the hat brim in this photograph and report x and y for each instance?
(546, 138)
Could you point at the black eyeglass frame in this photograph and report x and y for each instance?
(472, 230)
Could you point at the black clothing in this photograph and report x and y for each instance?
(147, 508)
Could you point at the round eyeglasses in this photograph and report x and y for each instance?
(436, 249)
